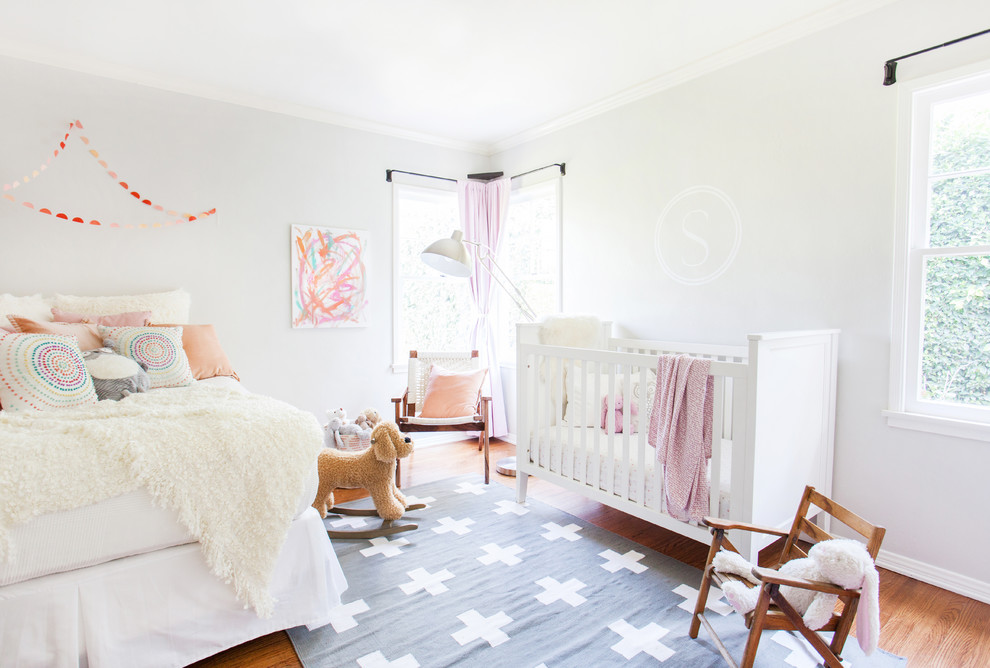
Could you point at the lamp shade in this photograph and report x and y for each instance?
(449, 256)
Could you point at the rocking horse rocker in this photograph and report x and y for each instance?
(372, 469)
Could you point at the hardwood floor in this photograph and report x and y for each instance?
(930, 626)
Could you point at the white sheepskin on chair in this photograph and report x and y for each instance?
(573, 331)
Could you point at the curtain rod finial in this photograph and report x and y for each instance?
(890, 72)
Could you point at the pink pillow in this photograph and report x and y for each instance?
(130, 319)
(206, 358)
(452, 394)
(87, 335)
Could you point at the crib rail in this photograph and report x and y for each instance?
(579, 426)
(702, 350)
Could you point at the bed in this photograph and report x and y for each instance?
(161, 528)
(583, 421)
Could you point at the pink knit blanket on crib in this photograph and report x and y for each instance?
(681, 431)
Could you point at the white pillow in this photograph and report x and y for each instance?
(584, 404)
(171, 307)
(157, 349)
(43, 371)
(34, 307)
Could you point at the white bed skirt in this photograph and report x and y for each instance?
(162, 608)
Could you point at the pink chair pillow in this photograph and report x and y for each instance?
(452, 394)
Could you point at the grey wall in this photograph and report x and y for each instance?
(262, 171)
(802, 139)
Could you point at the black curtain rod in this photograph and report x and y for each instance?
(486, 176)
(890, 67)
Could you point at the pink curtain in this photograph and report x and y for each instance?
(484, 206)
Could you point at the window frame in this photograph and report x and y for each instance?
(911, 252)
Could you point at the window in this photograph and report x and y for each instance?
(529, 252)
(942, 360)
(436, 312)
(432, 311)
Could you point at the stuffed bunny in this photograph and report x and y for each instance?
(839, 561)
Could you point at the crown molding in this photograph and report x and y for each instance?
(770, 40)
(827, 18)
(219, 94)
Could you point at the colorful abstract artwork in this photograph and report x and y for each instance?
(329, 281)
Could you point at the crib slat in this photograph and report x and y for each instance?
(555, 453)
(593, 467)
(718, 402)
(644, 425)
(610, 435)
(626, 379)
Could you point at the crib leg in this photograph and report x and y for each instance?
(521, 481)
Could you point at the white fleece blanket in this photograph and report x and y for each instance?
(231, 464)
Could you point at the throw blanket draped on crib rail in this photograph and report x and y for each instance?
(231, 464)
(681, 431)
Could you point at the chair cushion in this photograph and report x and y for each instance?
(452, 394)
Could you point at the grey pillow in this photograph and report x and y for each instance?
(115, 376)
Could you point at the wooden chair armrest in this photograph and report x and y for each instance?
(726, 525)
(483, 407)
(768, 575)
(400, 405)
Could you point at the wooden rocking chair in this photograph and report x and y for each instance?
(409, 406)
(772, 611)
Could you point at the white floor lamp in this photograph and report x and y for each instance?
(450, 256)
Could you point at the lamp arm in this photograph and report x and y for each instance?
(504, 281)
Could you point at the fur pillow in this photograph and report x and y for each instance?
(170, 306)
(573, 331)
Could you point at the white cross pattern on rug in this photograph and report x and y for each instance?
(460, 527)
(378, 660)
(507, 555)
(555, 531)
(342, 617)
(476, 488)
(615, 561)
(426, 500)
(566, 592)
(477, 626)
(690, 594)
(802, 655)
(431, 583)
(353, 522)
(646, 639)
(385, 547)
(510, 507)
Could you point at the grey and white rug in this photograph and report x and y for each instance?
(486, 582)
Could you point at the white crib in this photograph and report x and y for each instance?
(774, 408)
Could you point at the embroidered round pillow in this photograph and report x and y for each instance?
(43, 371)
(157, 349)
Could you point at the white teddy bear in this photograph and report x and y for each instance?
(331, 436)
(839, 561)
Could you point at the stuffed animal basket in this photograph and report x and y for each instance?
(354, 442)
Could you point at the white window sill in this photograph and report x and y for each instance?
(977, 431)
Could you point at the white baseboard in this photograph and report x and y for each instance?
(933, 575)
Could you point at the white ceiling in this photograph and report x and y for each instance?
(479, 76)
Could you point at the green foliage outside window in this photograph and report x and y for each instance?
(955, 364)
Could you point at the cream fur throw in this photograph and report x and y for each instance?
(572, 331)
(231, 464)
